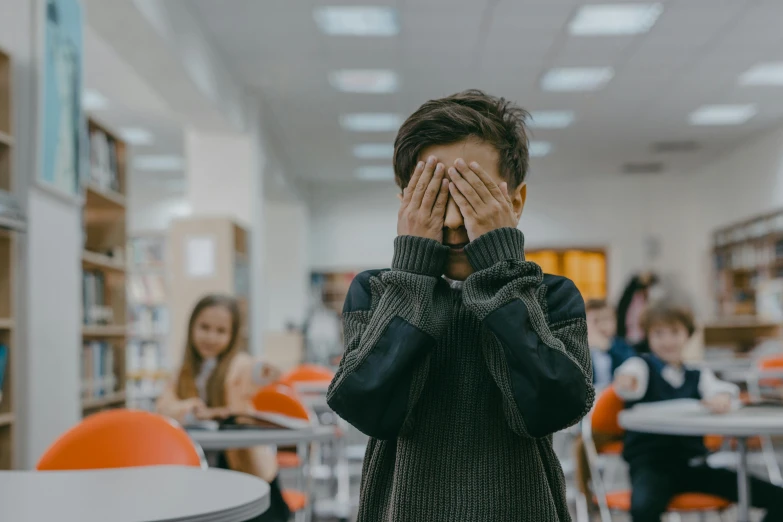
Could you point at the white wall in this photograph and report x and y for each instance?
(286, 264)
(352, 226)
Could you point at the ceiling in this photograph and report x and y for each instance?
(692, 56)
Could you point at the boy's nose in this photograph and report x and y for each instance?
(453, 219)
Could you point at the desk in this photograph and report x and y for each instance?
(695, 420)
(150, 494)
(218, 440)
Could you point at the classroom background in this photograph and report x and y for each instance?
(152, 152)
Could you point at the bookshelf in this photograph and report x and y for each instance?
(8, 239)
(747, 256)
(206, 255)
(148, 365)
(104, 329)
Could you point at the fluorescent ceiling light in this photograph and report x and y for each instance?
(159, 163)
(538, 149)
(375, 173)
(723, 114)
(364, 80)
(374, 151)
(92, 100)
(770, 73)
(136, 136)
(357, 20)
(576, 78)
(371, 122)
(550, 119)
(614, 19)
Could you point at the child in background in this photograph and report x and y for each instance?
(607, 350)
(663, 466)
(216, 380)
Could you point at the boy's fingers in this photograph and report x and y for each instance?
(431, 193)
(504, 190)
(443, 198)
(492, 187)
(462, 202)
(424, 181)
(406, 194)
(471, 177)
(465, 188)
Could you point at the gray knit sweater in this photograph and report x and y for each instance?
(460, 390)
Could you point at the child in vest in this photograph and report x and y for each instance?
(663, 466)
(607, 350)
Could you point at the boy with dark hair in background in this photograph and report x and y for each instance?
(608, 351)
(663, 466)
(463, 359)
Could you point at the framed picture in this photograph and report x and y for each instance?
(63, 128)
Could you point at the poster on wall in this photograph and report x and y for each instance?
(63, 123)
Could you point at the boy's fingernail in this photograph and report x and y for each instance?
(420, 165)
(459, 162)
(474, 165)
(431, 160)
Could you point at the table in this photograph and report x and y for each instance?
(692, 419)
(217, 440)
(149, 494)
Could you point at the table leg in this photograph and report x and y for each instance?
(743, 487)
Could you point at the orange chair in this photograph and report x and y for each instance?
(282, 400)
(768, 378)
(307, 373)
(604, 419)
(122, 439)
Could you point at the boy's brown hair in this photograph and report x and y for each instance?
(668, 313)
(593, 305)
(467, 114)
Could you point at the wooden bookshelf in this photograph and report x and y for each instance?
(104, 331)
(8, 245)
(148, 364)
(746, 255)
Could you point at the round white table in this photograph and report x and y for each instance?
(695, 420)
(149, 494)
(216, 440)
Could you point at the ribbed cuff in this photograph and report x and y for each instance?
(503, 244)
(419, 255)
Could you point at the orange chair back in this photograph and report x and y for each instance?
(121, 439)
(308, 373)
(605, 412)
(281, 400)
(773, 363)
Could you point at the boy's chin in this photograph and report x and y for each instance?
(458, 268)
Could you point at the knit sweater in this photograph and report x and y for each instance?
(461, 389)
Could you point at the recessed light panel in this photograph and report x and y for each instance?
(371, 122)
(770, 73)
(576, 79)
(375, 173)
(723, 114)
(376, 81)
(538, 149)
(374, 151)
(357, 20)
(550, 119)
(614, 19)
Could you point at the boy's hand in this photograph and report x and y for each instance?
(484, 205)
(720, 403)
(626, 383)
(424, 201)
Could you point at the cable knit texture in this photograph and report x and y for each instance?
(463, 452)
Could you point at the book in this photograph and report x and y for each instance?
(3, 366)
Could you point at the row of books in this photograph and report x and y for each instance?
(98, 375)
(145, 359)
(148, 252)
(148, 289)
(94, 309)
(149, 322)
(749, 256)
(104, 162)
(753, 230)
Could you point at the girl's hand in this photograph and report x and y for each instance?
(626, 383)
(205, 413)
(719, 404)
(193, 405)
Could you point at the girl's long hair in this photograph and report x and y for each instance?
(191, 364)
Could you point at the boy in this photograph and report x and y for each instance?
(607, 350)
(662, 466)
(462, 359)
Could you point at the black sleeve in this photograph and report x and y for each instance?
(536, 348)
(392, 320)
